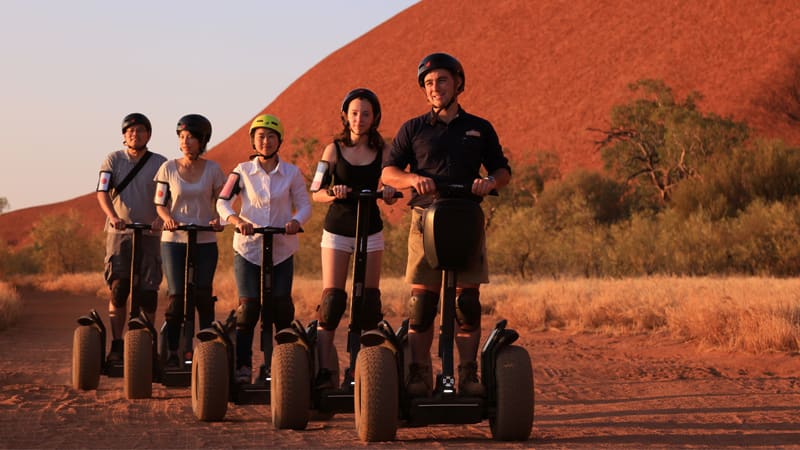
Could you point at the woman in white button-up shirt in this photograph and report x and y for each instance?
(273, 194)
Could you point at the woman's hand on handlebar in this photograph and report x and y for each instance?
(339, 191)
(171, 224)
(244, 227)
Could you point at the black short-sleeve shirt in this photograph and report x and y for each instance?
(451, 153)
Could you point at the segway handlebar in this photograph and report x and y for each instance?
(138, 226)
(269, 230)
(449, 190)
(366, 193)
(193, 227)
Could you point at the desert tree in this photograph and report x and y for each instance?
(656, 141)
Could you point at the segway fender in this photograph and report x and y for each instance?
(294, 334)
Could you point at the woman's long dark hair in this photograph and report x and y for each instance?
(374, 140)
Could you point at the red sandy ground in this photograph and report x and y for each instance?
(590, 392)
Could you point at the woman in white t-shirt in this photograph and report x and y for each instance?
(186, 193)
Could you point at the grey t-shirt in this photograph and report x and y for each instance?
(135, 203)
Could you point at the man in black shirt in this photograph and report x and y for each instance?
(446, 144)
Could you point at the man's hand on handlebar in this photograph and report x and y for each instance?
(483, 186)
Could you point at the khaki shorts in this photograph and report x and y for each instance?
(118, 259)
(418, 271)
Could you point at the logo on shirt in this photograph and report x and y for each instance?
(473, 133)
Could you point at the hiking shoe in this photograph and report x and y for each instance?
(116, 355)
(468, 382)
(243, 374)
(418, 379)
(324, 379)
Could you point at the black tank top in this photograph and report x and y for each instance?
(341, 217)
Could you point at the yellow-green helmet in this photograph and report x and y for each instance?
(267, 121)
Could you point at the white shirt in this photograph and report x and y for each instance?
(268, 200)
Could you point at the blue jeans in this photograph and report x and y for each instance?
(248, 283)
(173, 255)
(248, 277)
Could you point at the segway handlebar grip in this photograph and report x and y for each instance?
(193, 227)
(138, 226)
(366, 193)
(268, 230)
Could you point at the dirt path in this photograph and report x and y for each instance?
(590, 392)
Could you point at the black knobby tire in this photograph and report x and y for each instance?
(210, 382)
(514, 377)
(138, 362)
(291, 387)
(86, 358)
(376, 394)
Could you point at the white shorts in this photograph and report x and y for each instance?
(348, 244)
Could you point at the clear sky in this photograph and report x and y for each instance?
(71, 70)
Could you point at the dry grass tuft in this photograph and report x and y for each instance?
(10, 305)
(86, 283)
(733, 313)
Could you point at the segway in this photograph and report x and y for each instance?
(452, 233)
(295, 361)
(89, 339)
(146, 350)
(213, 381)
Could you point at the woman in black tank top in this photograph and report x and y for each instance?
(355, 158)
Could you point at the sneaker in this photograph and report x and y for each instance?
(349, 381)
(243, 374)
(116, 355)
(418, 379)
(468, 382)
(324, 379)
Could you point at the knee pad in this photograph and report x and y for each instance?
(120, 289)
(247, 314)
(422, 309)
(174, 313)
(282, 311)
(331, 308)
(371, 309)
(148, 301)
(468, 309)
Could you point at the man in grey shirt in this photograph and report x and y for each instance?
(125, 199)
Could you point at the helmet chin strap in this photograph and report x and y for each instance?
(438, 111)
(270, 156)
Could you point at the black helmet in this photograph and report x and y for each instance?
(196, 124)
(370, 97)
(136, 119)
(436, 61)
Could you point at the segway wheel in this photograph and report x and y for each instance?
(291, 387)
(138, 364)
(86, 358)
(376, 394)
(210, 381)
(514, 377)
